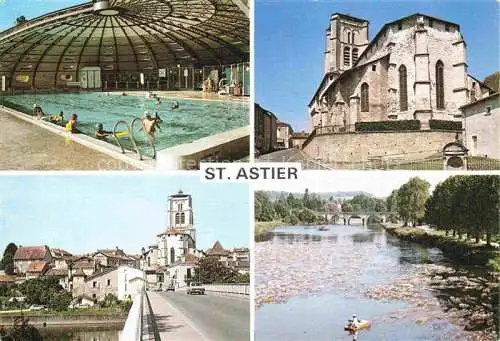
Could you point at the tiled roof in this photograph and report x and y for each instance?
(79, 273)
(216, 250)
(36, 267)
(83, 263)
(59, 253)
(98, 274)
(31, 252)
(189, 259)
(57, 272)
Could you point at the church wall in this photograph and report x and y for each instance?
(358, 147)
(349, 86)
(438, 42)
(441, 48)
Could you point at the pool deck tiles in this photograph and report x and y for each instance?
(26, 146)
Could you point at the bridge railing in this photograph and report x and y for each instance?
(239, 289)
(132, 331)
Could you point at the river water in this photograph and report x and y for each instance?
(309, 282)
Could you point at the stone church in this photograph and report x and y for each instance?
(414, 69)
(176, 244)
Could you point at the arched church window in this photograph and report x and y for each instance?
(403, 89)
(354, 55)
(353, 35)
(183, 218)
(172, 255)
(440, 85)
(347, 56)
(177, 218)
(149, 261)
(365, 104)
(349, 37)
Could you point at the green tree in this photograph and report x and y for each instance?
(20, 20)
(305, 199)
(264, 210)
(347, 207)
(412, 198)
(7, 263)
(211, 270)
(392, 201)
(493, 81)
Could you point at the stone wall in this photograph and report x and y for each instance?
(361, 147)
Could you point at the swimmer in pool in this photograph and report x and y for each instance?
(175, 106)
(56, 119)
(37, 111)
(72, 123)
(100, 133)
(149, 125)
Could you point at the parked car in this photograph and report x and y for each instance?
(171, 287)
(195, 288)
(37, 307)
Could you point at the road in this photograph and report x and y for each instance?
(216, 317)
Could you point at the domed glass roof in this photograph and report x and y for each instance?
(124, 37)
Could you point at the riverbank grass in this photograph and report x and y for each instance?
(464, 250)
(264, 227)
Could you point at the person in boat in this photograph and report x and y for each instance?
(100, 133)
(353, 327)
(37, 111)
(72, 123)
(175, 105)
(149, 125)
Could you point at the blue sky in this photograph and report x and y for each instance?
(290, 40)
(11, 9)
(82, 213)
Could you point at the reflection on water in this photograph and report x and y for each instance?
(321, 277)
(79, 335)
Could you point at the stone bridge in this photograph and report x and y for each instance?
(358, 217)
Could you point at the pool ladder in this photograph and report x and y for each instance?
(130, 131)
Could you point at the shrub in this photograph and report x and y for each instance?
(445, 125)
(388, 125)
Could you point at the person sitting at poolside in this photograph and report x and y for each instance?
(71, 125)
(37, 111)
(175, 106)
(100, 133)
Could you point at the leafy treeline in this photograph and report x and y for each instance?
(45, 291)
(306, 209)
(462, 204)
(466, 204)
(211, 270)
(289, 208)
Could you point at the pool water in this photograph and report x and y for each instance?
(193, 120)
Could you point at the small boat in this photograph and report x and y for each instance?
(363, 324)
